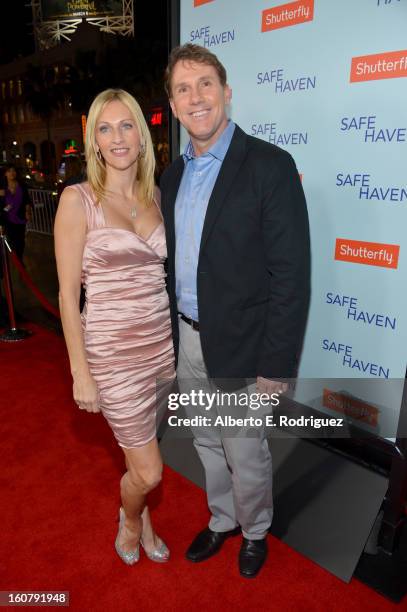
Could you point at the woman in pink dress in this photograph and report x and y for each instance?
(109, 235)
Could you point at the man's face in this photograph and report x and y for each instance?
(198, 100)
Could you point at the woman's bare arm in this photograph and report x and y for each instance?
(70, 236)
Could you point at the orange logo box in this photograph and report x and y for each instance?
(369, 253)
(287, 15)
(199, 2)
(358, 410)
(389, 65)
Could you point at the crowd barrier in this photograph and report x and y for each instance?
(44, 206)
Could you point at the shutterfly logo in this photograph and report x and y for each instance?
(199, 2)
(389, 65)
(287, 15)
(369, 253)
(352, 407)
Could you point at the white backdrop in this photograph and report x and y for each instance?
(327, 81)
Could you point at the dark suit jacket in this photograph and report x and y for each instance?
(253, 269)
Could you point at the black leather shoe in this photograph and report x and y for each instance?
(208, 543)
(252, 555)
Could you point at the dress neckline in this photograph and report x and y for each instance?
(123, 229)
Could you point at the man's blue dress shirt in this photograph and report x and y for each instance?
(198, 180)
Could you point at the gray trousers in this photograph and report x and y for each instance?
(238, 470)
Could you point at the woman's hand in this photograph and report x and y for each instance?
(85, 393)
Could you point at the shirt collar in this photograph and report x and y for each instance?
(218, 149)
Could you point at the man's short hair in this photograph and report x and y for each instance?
(192, 53)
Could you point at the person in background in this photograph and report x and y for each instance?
(16, 209)
(74, 173)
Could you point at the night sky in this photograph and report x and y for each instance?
(15, 30)
(16, 36)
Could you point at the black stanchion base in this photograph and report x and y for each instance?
(14, 335)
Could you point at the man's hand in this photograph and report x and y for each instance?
(266, 385)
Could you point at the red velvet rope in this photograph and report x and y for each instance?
(28, 281)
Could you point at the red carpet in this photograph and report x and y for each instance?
(60, 475)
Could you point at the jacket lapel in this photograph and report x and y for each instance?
(230, 167)
(169, 212)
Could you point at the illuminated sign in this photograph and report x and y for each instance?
(156, 117)
(71, 147)
(83, 120)
(65, 9)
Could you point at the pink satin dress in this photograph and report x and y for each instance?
(126, 322)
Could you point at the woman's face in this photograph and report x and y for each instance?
(11, 174)
(117, 136)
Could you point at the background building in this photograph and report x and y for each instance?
(45, 95)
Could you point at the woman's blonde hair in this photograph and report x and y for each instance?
(96, 170)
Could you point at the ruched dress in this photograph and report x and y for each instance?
(125, 322)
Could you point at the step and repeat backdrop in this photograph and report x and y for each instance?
(327, 81)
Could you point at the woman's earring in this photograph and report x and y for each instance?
(142, 151)
(99, 155)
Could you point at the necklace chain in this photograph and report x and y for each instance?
(133, 211)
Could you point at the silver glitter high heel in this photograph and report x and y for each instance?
(131, 557)
(159, 555)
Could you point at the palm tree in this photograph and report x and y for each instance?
(46, 93)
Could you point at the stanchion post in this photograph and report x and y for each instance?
(13, 333)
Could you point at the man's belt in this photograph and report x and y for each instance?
(191, 322)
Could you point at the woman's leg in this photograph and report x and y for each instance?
(150, 539)
(20, 242)
(144, 467)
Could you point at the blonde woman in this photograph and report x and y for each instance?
(109, 234)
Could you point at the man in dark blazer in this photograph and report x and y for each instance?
(238, 281)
